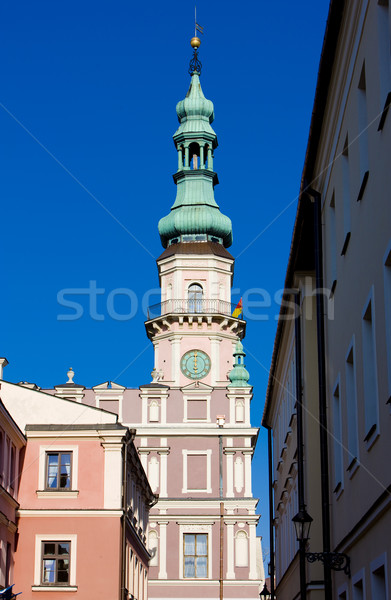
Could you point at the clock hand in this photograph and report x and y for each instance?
(195, 361)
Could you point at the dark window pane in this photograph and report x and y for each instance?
(63, 564)
(63, 576)
(65, 480)
(49, 549)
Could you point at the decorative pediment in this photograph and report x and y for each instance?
(197, 386)
(109, 385)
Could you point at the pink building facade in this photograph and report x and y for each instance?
(83, 501)
(12, 446)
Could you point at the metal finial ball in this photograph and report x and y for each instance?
(195, 42)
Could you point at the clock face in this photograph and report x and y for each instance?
(195, 364)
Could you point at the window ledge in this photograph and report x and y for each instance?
(332, 289)
(363, 186)
(54, 588)
(57, 494)
(345, 244)
(372, 436)
(353, 466)
(385, 111)
(287, 436)
(338, 490)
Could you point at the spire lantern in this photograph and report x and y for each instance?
(195, 215)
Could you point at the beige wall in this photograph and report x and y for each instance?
(354, 113)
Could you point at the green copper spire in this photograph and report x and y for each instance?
(239, 375)
(195, 215)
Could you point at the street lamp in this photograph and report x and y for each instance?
(265, 594)
(334, 560)
(302, 522)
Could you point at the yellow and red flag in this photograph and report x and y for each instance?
(239, 309)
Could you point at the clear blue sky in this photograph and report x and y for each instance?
(96, 84)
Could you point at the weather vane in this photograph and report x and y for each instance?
(195, 64)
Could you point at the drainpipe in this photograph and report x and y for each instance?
(300, 443)
(320, 316)
(220, 423)
(271, 512)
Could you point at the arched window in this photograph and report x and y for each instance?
(194, 152)
(195, 293)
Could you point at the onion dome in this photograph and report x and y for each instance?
(195, 112)
(239, 375)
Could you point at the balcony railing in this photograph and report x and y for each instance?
(191, 307)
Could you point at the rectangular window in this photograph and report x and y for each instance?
(384, 49)
(332, 231)
(369, 370)
(1, 456)
(8, 559)
(55, 563)
(58, 470)
(338, 456)
(387, 307)
(358, 590)
(351, 407)
(363, 132)
(379, 582)
(195, 554)
(346, 195)
(12, 467)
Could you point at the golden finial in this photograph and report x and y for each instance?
(195, 42)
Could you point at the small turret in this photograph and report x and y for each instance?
(239, 375)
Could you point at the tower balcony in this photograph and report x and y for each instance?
(161, 316)
(191, 307)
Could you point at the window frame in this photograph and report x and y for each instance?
(56, 557)
(376, 565)
(59, 453)
(42, 491)
(370, 371)
(356, 578)
(195, 555)
(55, 537)
(195, 297)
